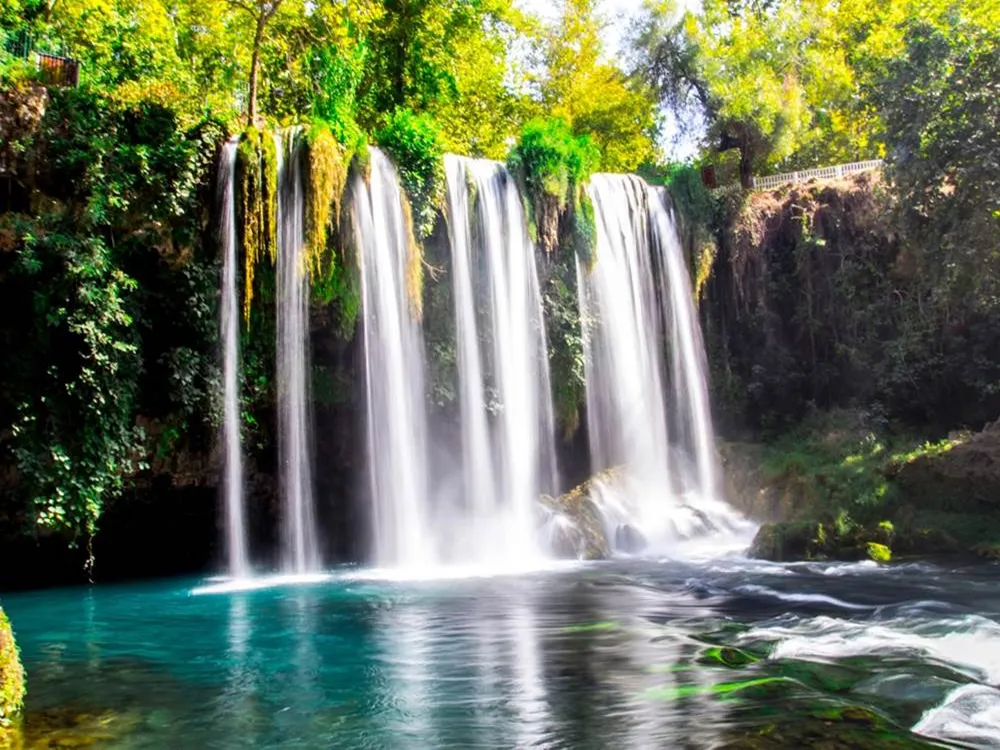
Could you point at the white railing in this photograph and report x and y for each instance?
(821, 173)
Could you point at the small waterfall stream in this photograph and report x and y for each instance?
(300, 549)
(229, 325)
(394, 371)
(505, 397)
(638, 301)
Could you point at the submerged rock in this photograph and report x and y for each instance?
(68, 727)
(847, 728)
(11, 677)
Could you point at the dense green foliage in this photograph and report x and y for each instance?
(553, 159)
(12, 687)
(578, 84)
(843, 485)
(257, 191)
(565, 339)
(414, 143)
(87, 279)
(940, 102)
(553, 164)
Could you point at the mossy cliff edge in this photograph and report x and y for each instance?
(12, 682)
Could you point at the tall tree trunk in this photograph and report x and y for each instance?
(737, 135)
(746, 166)
(255, 68)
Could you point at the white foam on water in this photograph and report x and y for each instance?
(969, 715)
(402, 574)
(969, 645)
(865, 566)
(459, 572)
(235, 585)
(755, 590)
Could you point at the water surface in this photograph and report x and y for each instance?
(624, 654)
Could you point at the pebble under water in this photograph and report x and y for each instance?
(721, 652)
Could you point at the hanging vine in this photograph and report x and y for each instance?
(257, 170)
(326, 171)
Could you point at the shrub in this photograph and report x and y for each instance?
(414, 144)
(551, 159)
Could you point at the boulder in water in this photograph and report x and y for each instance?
(578, 531)
(807, 540)
(962, 478)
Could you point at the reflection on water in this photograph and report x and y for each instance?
(629, 654)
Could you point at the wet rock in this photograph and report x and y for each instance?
(575, 526)
(781, 542)
(749, 490)
(808, 540)
(565, 539)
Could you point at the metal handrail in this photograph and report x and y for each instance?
(822, 173)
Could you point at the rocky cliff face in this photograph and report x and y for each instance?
(816, 300)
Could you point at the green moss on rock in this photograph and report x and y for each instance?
(326, 168)
(552, 164)
(12, 682)
(257, 174)
(840, 487)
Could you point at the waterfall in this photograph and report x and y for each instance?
(394, 370)
(635, 302)
(229, 325)
(300, 551)
(508, 455)
(687, 350)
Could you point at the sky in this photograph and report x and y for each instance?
(617, 12)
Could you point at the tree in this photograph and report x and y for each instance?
(261, 12)
(940, 104)
(594, 96)
(448, 59)
(772, 80)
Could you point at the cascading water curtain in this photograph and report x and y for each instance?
(300, 549)
(229, 329)
(394, 371)
(688, 365)
(508, 454)
(638, 297)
